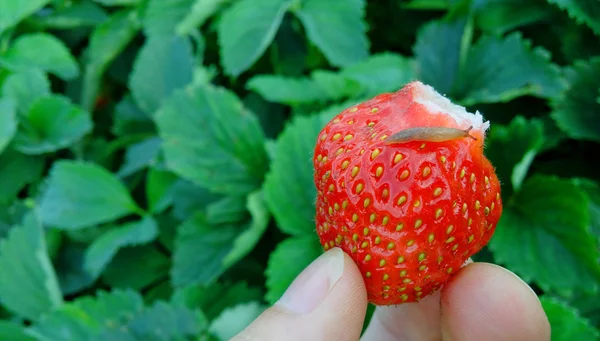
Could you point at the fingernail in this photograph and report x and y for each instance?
(518, 278)
(313, 284)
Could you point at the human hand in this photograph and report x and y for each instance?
(327, 301)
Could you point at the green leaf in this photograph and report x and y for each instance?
(382, 72)
(165, 322)
(103, 249)
(24, 54)
(161, 17)
(583, 11)
(242, 45)
(25, 88)
(159, 189)
(118, 2)
(281, 272)
(544, 236)
(139, 156)
(189, 198)
(129, 119)
(125, 271)
(15, 11)
(235, 319)
(592, 191)
(501, 16)
(164, 64)
(82, 194)
(495, 69)
(13, 332)
(337, 28)
(223, 245)
(438, 54)
(79, 14)
(72, 275)
(210, 139)
(576, 111)
(8, 122)
(498, 70)
(107, 41)
(289, 187)
(201, 11)
(512, 149)
(88, 316)
(226, 210)
(566, 323)
(52, 123)
(16, 171)
(33, 287)
(322, 86)
(216, 297)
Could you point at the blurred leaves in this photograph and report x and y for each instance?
(583, 11)
(566, 323)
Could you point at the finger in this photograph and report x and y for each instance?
(327, 301)
(409, 321)
(487, 302)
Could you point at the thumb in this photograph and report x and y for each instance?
(327, 301)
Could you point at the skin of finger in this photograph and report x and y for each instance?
(487, 302)
(339, 317)
(406, 322)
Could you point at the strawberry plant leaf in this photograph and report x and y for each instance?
(492, 74)
(24, 54)
(189, 199)
(512, 149)
(235, 319)
(225, 244)
(165, 63)
(583, 11)
(81, 194)
(198, 127)
(124, 271)
(72, 275)
(494, 69)
(130, 119)
(159, 189)
(200, 12)
(139, 156)
(566, 323)
(576, 110)
(242, 45)
(8, 122)
(105, 247)
(289, 187)
(13, 332)
(434, 40)
(33, 289)
(118, 2)
(337, 28)
(226, 210)
(382, 72)
(79, 14)
(52, 123)
(25, 88)
(281, 272)
(161, 17)
(544, 236)
(107, 41)
(87, 317)
(501, 16)
(163, 321)
(14, 11)
(592, 191)
(214, 298)
(16, 171)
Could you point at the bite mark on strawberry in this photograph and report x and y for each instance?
(404, 191)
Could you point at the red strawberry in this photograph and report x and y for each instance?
(404, 189)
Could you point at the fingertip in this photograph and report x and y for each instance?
(487, 302)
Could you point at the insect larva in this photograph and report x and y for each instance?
(430, 134)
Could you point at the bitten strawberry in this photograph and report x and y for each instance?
(405, 189)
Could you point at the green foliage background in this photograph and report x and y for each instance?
(155, 175)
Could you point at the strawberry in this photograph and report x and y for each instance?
(405, 189)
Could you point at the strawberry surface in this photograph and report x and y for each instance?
(408, 212)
